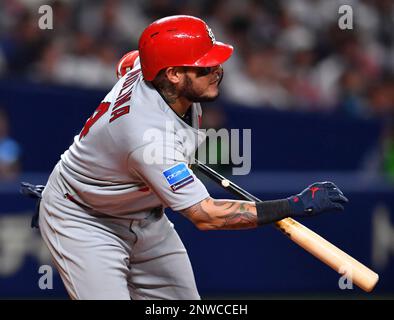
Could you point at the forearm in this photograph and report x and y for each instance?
(211, 214)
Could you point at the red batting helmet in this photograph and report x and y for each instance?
(179, 41)
(127, 63)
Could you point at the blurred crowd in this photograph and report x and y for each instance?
(10, 151)
(289, 54)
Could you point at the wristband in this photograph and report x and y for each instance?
(271, 211)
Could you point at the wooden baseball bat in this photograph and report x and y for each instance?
(319, 247)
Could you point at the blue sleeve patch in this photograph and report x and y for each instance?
(178, 176)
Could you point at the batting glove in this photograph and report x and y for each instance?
(317, 198)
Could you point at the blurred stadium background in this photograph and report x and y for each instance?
(319, 101)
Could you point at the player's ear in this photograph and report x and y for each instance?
(174, 74)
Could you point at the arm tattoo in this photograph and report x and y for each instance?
(223, 214)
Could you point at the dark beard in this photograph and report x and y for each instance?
(190, 94)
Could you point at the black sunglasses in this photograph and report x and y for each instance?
(202, 71)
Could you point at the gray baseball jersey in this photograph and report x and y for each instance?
(111, 241)
(132, 154)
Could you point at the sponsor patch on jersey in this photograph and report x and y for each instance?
(178, 176)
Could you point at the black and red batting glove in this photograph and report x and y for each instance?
(317, 198)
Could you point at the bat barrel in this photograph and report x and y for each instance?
(328, 253)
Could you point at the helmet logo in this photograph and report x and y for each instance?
(211, 35)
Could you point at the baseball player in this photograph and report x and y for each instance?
(102, 209)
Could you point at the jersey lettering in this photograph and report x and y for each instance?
(119, 112)
(98, 113)
(124, 97)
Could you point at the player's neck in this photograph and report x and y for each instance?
(180, 106)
